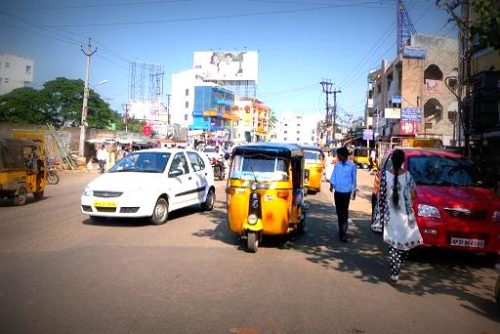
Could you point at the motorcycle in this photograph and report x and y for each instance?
(219, 168)
(52, 177)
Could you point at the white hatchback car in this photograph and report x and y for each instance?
(151, 183)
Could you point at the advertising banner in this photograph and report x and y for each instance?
(432, 86)
(367, 134)
(393, 113)
(227, 66)
(411, 114)
(408, 128)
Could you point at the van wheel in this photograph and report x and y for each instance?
(160, 212)
(252, 242)
(208, 205)
(21, 197)
(38, 195)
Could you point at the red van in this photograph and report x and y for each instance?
(454, 208)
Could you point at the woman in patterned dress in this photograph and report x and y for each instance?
(397, 189)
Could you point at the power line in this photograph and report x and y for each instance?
(122, 4)
(205, 18)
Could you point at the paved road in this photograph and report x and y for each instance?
(60, 273)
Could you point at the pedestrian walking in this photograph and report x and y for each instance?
(397, 189)
(343, 182)
(102, 158)
(373, 156)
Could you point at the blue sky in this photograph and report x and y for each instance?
(300, 42)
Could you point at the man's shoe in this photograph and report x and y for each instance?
(393, 279)
(343, 239)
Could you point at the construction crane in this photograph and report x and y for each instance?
(405, 27)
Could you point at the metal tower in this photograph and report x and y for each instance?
(405, 27)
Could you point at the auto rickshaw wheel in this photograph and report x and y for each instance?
(21, 197)
(38, 195)
(160, 212)
(364, 166)
(301, 227)
(252, 242)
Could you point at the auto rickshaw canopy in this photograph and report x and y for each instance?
(14, 152)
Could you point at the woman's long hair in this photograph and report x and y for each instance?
(398, 157)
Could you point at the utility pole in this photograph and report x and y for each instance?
(335, 114)
(88, 53)
(327, 89)
(126, 108)
(168, 109)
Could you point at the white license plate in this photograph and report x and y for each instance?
(464, 242)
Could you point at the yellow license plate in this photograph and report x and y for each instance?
(105, 204)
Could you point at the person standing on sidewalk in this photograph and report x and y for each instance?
(343, 181)
(102, 158)
(397, 190)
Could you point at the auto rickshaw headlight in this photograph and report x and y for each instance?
(253, 186)
(87, 191)
(252, 219)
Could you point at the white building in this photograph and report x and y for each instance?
(15, 72)
(301, 129)
(182, 99)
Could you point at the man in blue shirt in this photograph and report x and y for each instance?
(343, 181)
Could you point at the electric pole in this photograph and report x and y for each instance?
(126, 108)
(327, 89)
(168, 109)
(335, 114)
(88, 53)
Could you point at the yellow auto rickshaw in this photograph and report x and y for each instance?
(22, 169)
(265, 191)
(361, 157)
(314, 164)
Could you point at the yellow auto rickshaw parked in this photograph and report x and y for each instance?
(265, 191)
(22, 169)
(314, 164)
(361, 157)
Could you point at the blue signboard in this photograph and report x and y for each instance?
(414, 52)
(411, 114)
(367, 134)
(396, 99)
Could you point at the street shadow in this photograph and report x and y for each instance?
(8, 202)
(427, 272)
(140, 222)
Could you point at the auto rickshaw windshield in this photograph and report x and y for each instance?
(312, 156)
(261, 168)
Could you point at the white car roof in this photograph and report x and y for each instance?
(166, 150)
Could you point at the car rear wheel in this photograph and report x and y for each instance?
(160, 212)
(208, 205)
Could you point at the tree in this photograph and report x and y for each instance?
(59, 102)
(25, 105)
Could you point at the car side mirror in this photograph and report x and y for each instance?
(175, 173)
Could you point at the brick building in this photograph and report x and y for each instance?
(409, 97)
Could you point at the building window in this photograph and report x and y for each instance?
(433, 108)
(285, 124)
(6, 80)
(186, 104)
(312, 138)
(28, 69)
(185, 117)
(285, 139)
(285, 132)
(298, 140)
(298, 125)
(187, 92)
(298, 132)
(7, 64)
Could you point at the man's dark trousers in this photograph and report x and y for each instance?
(342, 207)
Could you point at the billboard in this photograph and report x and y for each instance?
(411, 114)
(227, 66)
(393, 113)
(408, 128)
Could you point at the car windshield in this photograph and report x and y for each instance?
(142, 162)
(262, 168)
(437, 170)
(312, 156)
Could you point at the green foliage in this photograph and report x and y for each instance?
(488, 26)
(58, 102)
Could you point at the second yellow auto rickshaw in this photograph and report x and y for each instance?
(265, 191)
(314, 164)
(361, 157)
(22, 170)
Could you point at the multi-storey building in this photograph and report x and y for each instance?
(409, 96)
(253, 120)
(15, 72)
(299, 129)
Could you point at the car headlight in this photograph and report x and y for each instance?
(87, 191)
(428, 211)
(252, 219)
